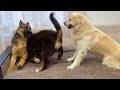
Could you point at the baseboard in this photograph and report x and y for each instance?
(4, 61)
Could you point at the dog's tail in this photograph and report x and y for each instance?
(59, 31)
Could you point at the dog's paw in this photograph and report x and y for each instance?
(116, 67)
(70, 59)
(9, 71)
(36, 60)
(19, 66)
(71, 67)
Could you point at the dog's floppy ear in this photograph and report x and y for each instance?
(20, 23)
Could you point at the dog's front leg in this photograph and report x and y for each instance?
(72, 58)
(22, 60)
(80, 56)
(12, 63)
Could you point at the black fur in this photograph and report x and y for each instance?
(42, 43)
(54, 21)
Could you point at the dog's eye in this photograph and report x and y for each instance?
(26, 27)
(30, 27)
(23, 26)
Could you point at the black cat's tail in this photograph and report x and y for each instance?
(55, 22)
(59, 31)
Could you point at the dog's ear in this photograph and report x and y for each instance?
(20, 23)
(27, 23)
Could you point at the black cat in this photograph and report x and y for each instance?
(45, 43)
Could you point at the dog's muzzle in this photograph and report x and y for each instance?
(69, 26)
(27, 33)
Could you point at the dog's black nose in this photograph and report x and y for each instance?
(28, 32)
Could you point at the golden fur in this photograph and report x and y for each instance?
(87, 37)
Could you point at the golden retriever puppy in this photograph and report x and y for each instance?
(87, 37)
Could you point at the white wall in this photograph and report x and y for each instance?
(104, 17)
(83, 12)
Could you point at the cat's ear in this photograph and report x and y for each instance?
(20, 23)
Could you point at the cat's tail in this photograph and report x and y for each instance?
(55, 22)
(59, 31)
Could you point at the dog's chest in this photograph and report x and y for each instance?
(19, 48)
(21, 51)
(78, 36)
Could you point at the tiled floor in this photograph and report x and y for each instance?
(90, 69)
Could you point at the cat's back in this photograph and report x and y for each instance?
(41, 40)
(41, 36)
(44, 34)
